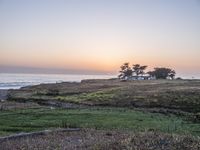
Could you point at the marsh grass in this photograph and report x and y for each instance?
(26, 120)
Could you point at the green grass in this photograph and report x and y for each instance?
(28, 120)
(99, 96)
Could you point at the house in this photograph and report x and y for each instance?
(143, 77)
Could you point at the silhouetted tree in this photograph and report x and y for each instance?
(138, 69)
(172, 74)
(162, 73)
(125, 71)
(151, 73)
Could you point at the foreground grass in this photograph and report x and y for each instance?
(27, 120)
(90, 139)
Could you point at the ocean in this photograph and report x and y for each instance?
(16, 81)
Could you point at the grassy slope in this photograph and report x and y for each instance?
(26, 120)
(177, 94)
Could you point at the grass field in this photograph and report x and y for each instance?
(111, 114)
(36, 119)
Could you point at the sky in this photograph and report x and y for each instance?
(100, 35)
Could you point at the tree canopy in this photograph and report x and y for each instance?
(139, 70)
(162, 73)
(125, 71)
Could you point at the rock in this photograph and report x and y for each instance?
(3, 95)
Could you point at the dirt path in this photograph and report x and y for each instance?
(32, 134)
(66, 105)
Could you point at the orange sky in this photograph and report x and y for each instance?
(100, 35)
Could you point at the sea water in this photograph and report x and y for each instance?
(15, 81)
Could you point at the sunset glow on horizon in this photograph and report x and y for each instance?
(101, 35)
